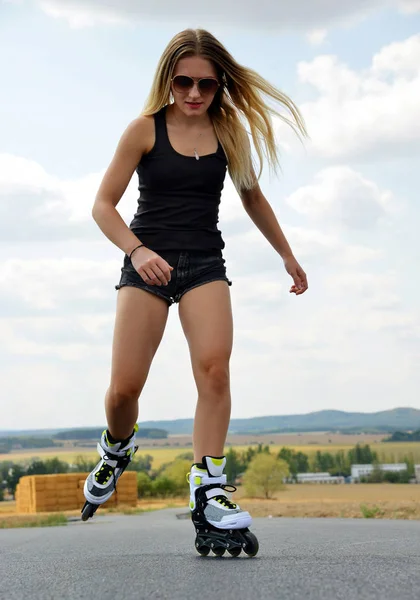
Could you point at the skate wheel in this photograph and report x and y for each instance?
(218, 551)
(252, 546)
(234, 551)
(88, 511)
(203, 550)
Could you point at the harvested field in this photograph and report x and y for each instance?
(387, 452)
(390, 501)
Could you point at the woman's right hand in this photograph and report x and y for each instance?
(151, 267)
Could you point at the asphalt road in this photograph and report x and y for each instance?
(152, 556)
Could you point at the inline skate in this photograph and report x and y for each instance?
(220, 524)
(101, 483)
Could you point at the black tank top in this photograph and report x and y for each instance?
(178, 207)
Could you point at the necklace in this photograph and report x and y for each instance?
(196, 155)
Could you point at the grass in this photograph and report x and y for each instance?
(8, 507)
(151, 505)
(44, 520)
(387, 452)
(372, 512)
(9, 519)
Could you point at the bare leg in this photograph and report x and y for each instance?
(140, 322)
(206, 317)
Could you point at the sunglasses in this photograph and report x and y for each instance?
(206, 85)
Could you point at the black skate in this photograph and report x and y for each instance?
(220, 524)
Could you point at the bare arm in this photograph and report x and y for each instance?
(137, 139)
(130, 149)
(262, 215)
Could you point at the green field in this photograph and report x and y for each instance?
(387, 452)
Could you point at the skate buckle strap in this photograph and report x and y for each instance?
(203, 479)
(215, 492)
(220, 491)
(110, 458)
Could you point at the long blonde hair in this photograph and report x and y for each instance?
(238, 100)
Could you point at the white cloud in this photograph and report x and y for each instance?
(48, 208)
(55, 339)
(80, 15)
(353, 255)
(264, 14)
(399, 59)
(44, 206)
(370, 113)
(376, 291)
(379, 307)
(410, 6)
(342, 196)
(317, 36)
(351, 327)
(54, 286)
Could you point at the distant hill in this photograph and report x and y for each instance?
(398, 419)
(95, 433)
(84, 433)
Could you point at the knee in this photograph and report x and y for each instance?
(215, 375)
(121, 395)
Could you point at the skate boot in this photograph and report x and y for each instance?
(101, 483)
(220, 524)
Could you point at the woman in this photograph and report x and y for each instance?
(189, 134)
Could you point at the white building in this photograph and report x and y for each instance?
(318, 478)
(417, 473)
(358, 471)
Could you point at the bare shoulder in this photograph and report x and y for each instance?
(139, 135)
(136, 140)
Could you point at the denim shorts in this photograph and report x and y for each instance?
(190, 269)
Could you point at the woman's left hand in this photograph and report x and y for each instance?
(300, 283)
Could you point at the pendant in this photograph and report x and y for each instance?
(196, 154)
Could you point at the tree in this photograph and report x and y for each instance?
(298, 461)
(13, 476)
(163, 487)
(404, 436)
(265, 475)
(186, 456)
(83, 465)
(323, 462)
(47, 467)
(141, 463)
(234, 466)
(342, 465)
(144, 485)
(410, 462)
(377, 475)
(37, 467)
(362, 455)
(177, 473)
(5, 467)
(302, 462)
(250, 452)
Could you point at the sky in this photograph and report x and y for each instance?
(74, 73)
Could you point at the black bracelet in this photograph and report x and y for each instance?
(131, 253)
